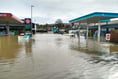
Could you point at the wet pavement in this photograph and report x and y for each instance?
(54, 56)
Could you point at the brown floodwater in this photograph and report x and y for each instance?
(55, 56)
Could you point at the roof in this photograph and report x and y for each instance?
(94, 17)
(8, 18)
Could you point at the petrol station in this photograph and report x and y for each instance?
(98, 20)
(11, 25)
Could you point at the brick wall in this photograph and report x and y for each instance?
(114, 36)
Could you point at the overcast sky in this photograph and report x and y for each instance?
(48, 11)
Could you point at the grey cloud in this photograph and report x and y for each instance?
(49, 10)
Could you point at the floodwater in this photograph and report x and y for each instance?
(53, 56)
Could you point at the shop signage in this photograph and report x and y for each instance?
(5, 15)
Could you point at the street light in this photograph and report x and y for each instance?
(31, 15)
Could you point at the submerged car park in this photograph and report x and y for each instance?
(57, 56)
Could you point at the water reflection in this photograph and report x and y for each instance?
(27, 45)
(114, 49)
(99, 51)
(91, 46)
(49, 56)
(9, 47)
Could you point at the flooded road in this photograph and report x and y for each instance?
(53, 56)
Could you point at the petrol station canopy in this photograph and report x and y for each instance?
(8, 18)
(95, 17)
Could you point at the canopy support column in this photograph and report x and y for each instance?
(79, 35)
(99, 31)
(7, 30)
(87, 30)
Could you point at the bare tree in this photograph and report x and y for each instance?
(58, 21)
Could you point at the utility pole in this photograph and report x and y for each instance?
(31, 15)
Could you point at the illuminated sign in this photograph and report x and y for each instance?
(5, 15)
(27, 21)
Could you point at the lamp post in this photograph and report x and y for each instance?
(31, 15)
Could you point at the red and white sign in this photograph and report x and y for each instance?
(27, 21)
(5, 15)
(108, 36)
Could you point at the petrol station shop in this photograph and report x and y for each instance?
(11, 25)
